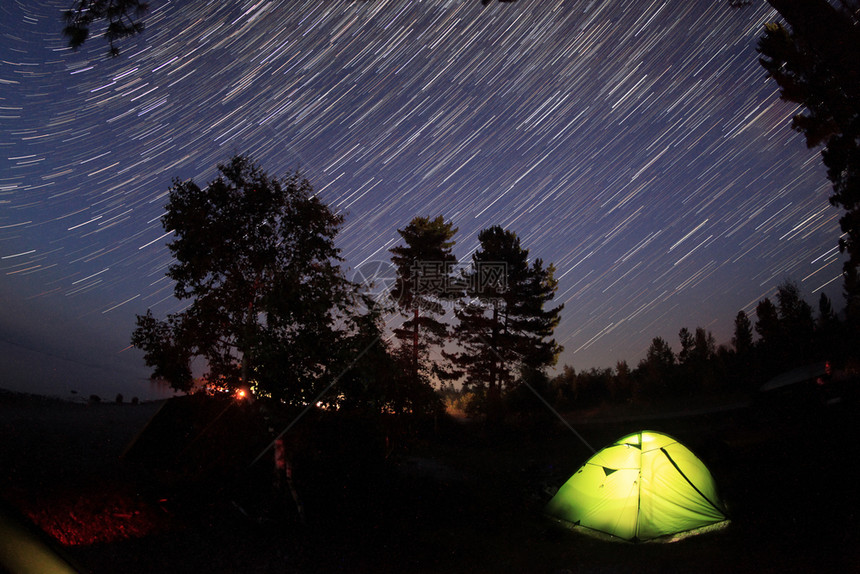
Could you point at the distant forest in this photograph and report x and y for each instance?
(787, 334)
(272, 314)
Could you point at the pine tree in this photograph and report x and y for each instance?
(797, 327)
(742, 340)
(504, 325)
(656, 372)
(686, 340)
(815, 64)
(425, 265)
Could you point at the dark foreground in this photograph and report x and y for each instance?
(455, 497)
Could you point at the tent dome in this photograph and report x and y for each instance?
(643, 486)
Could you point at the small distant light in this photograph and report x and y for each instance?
(240, 394)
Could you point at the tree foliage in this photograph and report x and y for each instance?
(124, 18)
(372, 376)
(366, 363)
(787, 329)
(504, 325)
(166, 348)
(742, 340)
(256, 258)
(425, 263)
(767, 321)
(655, 372)
(815, 63)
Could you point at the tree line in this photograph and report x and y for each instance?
(786, 333)
(271, 312)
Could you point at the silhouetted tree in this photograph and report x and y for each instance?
(787, 330)
(768, 329)
(686, 340)
(411, 394)
(850, 290)
(767, 321)
(584, 389)
(425, 266)
(168, 348)
(594, 386)
(742, 340)
(694, 361)
(815, 64)
(504, 324)
(655, 372)
(703, 362)
(124, 18)
(724, 369)
(256, 258)
(796, 324)
(369, 372)
(829, 334)
(826, 314)
(622, 388)
(742, 361)
(704, 346)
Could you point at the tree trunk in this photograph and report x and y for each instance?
(415, 347)
(246, 345)
(494, 390)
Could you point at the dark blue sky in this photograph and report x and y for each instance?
(637, 145)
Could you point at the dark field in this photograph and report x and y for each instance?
(455, 497)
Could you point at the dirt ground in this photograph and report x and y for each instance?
(456, 497)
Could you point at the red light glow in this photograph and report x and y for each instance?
(92, 517)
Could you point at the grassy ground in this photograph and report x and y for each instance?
(461, 498)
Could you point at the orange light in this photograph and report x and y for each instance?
(240, 394)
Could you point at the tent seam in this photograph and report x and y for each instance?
(690, 482)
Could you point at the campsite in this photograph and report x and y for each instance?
(454, 497)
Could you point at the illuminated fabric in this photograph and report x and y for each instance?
(643, 486)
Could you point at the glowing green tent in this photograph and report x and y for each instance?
(643, 486)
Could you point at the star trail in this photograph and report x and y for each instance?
(638, 146)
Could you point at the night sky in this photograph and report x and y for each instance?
(638, 146)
